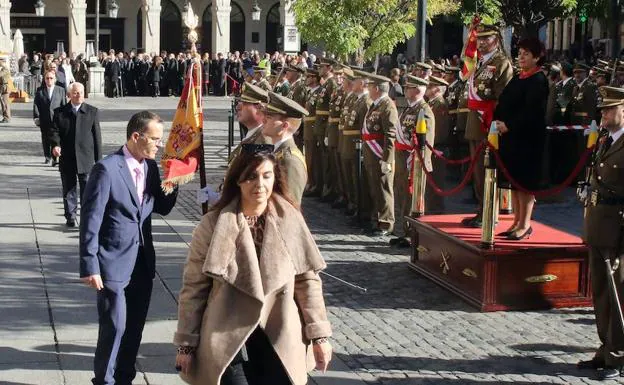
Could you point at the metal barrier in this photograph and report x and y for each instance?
(27, 83)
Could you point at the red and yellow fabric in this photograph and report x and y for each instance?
(470, 55)
(181, 157)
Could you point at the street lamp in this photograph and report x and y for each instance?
(255, 11)
(40, 8)
(113, 9)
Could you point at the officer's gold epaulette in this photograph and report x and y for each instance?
(291, 151)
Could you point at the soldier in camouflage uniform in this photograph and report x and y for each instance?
(414, 88)
(309, 140)
(320, 157)
(378, 134)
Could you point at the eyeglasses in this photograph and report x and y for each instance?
(157, 141)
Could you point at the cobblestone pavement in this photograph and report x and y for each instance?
(405, 329)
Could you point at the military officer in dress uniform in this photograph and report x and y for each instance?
(250, 112)
(493, 72)
(378, 135)
(282, 119)
(260, 80)
(458, 147)
(603, 234)
(434, 203)
(561, 144)
(422, 70)
(297, 92)
(415, 89)
(320, 157)
(334, 180)
(437, 70)
(309, 141)
(352, 120)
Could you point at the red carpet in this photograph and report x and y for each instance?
(543, 236)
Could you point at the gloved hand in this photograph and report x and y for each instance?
(385, 167)
(208, 195)
(326, 141)
(37, 122)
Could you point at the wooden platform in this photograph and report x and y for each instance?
(548, 270)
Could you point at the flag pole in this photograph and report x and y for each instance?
(191, 21)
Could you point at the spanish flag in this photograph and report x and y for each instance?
(181, 157)
(493, 135)
(470, 54)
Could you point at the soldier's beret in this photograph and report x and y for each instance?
(377, 79)
(253, 94)
(435, 81)
(580, 67)
(422, 65)
(450, 70)
(279, 104)
(415, 81)
(611, 96)
(485, 30)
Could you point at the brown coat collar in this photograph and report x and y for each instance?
(232, 254)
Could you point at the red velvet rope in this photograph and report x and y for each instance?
(464, 182)
(235, 86)
(551, 191)
(439, 155)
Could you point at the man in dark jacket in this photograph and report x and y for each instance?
(47, 98)
(77, 139)
(219, 77)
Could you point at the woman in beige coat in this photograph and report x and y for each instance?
(251, 308)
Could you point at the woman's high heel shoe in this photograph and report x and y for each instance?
(527, 234)
(505, 233)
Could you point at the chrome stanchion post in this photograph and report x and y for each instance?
(358, 176)
(489, 191)
(418, 169)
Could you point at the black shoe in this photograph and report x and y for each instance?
(608, 373)
(504, 233)
(47, 161)
(379, 233)
(395, 241)
(71, 222)
(474, 222)
(593, 364)
(515, 237)
(404, 243)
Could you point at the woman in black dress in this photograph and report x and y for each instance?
(521, 121)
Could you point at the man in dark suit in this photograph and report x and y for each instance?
(77, 139)
(116, 251)
(48, 98)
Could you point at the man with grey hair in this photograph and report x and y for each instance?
(77, 140)
(378, 135)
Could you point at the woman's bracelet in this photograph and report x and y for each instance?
(320, 341)
(186, 350)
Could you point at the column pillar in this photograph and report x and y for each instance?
(221, 26)
(291, 38)
(566, 35)
(5, 26)
(549, 36)
(150, 32)
(77, 26)
(557, 34)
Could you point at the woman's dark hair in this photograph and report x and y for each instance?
(242, 168)
(535, 46)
